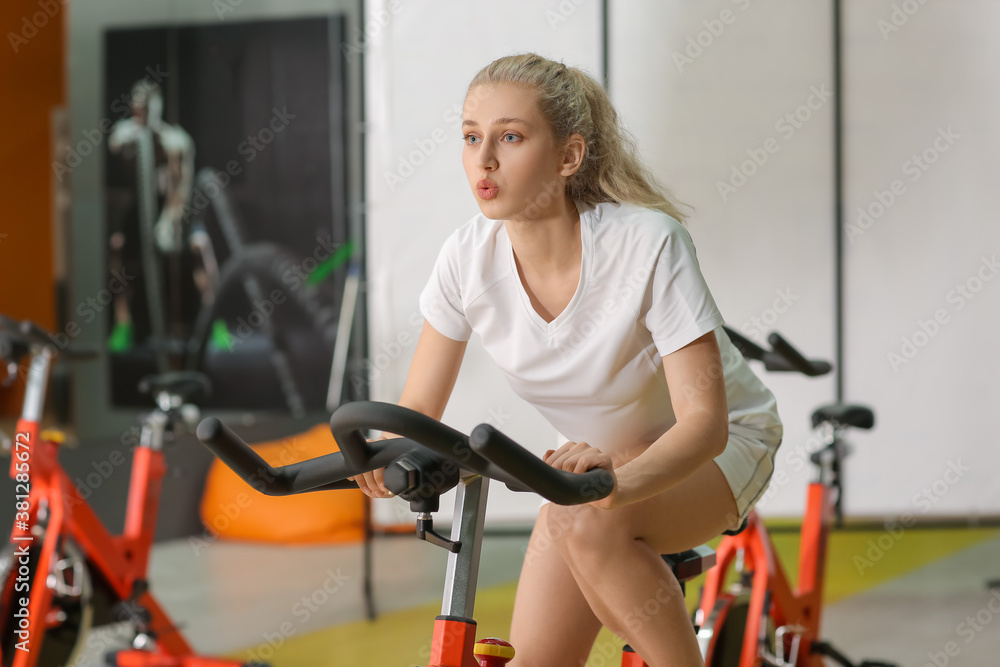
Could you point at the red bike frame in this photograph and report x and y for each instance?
(800, 608)
(56, 509)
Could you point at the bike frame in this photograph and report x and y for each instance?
(56, 509)
(771, 595)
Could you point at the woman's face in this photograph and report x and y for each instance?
(508, 144)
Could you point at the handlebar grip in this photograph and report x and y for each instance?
(322, 473)
(38, 335)
(559, 486)
(239, 456)
(747, 347)
(795, 359)
(13, 348)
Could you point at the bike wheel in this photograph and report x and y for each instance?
(725, 628)
(71, 611)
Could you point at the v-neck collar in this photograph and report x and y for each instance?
(586, 256)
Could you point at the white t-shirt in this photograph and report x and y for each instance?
(596, 371)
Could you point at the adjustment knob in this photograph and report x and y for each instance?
(493, 652)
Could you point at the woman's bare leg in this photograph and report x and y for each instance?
(614, 557)
(552, 623)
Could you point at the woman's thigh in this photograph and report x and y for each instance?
(682, 517)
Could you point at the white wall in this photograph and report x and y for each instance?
(698, 118)
(418, 67)
(938, 71)
(768, 246)
(696, 111)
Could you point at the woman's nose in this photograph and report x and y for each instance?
(487, 158)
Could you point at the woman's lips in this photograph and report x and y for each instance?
(487, 193)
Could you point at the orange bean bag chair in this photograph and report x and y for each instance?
(232, 509)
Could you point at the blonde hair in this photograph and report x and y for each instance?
(574, 103)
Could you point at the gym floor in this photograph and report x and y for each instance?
(920, 600)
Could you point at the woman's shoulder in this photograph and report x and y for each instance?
(637, 223)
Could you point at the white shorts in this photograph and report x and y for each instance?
(748, 463)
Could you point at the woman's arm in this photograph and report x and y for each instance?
(698, 396)
(429, 384)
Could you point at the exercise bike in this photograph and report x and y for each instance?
(431, 458)
(428, 460)
(62, 572)
(762, 620)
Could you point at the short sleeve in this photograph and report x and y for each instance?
(681, 308)
(441, 298)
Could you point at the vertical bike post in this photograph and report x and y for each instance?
(38, 379)
(463, 567)
(455, 630)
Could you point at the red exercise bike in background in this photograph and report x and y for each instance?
(761, 620)
(63, 572)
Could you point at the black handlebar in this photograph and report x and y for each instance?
(20, 336)
(782, 356)
(795, 359)
(489, 453)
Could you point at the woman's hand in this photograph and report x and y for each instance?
(371, 482)
(580, 457)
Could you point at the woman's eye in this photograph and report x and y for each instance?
(467, 138)
(511, 135)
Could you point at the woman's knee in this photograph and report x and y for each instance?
(581, 532)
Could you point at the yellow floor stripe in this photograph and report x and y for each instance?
(856, 561)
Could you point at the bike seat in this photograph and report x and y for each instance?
(844, 413)
(191, 386)
(689, 564)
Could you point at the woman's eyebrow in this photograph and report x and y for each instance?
(499, 121)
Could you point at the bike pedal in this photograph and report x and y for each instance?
(53, 435)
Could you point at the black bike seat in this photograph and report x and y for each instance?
(844, 413)
(191, 386)
(689, 564)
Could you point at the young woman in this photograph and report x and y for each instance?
(585, 289)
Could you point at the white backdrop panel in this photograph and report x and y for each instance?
(706, 87)
(922, 113)
(418, 67)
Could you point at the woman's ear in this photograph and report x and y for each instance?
(574, 150)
